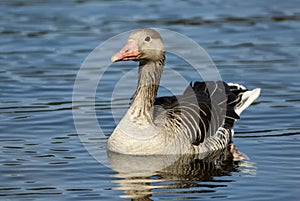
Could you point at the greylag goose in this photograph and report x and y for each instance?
(198, 121)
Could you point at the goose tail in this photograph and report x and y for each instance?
(247, 97)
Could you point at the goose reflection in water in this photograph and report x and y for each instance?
(140, 177)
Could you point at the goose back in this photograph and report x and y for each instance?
(201, 110)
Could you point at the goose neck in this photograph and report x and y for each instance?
(144, 98)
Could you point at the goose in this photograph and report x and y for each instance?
(198, 121)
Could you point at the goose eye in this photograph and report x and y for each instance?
(147, 38)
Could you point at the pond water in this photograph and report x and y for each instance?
(42, 47)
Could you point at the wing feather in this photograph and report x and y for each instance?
(202, 109)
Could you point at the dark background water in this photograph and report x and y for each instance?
(42, 46)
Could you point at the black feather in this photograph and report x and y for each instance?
(209, 104)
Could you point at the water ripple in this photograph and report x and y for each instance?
(43, 43)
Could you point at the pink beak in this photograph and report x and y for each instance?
(128, 52)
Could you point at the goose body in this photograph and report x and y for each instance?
(198, 121)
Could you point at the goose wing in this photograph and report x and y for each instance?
(202, 109)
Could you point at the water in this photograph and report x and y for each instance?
(43, 45)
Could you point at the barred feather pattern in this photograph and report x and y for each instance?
(206, 124)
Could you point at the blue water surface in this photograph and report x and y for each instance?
(42, 47)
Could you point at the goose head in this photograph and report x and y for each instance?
(143, 45)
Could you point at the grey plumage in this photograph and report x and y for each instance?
(200, 120)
